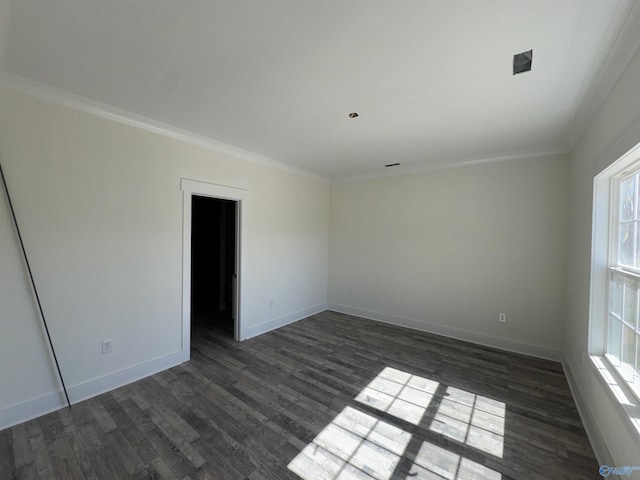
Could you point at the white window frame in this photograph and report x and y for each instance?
(629, 375)
(625, 400)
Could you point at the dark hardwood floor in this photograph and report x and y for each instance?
(330, 397)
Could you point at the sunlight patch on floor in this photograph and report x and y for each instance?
(436, 463)
(353, 446)
(357, 445)
(472, 419)
(400, 394)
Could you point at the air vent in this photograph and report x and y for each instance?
(392, 165)
(522, 62)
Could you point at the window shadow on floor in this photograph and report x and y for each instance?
(406, 426)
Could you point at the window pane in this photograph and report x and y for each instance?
(629, 347)
(614, 337)
(637, 246)
(615, 295)
(637, 195)
(630, 313)
(627, 198)
(627, 248)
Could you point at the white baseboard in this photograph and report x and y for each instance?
(265, 327)
(603, 456)
(53, 401)
(35, 407)
(50, 402)
(515, 346)
(111, 381)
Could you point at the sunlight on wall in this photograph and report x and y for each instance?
(432, 459)
(353, 446)
(611, 381)
(400, 394)
(472, 419)
(630, 406)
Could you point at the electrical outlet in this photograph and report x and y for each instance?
(107, 346)
(502, 317)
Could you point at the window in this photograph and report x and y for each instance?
(622, 335)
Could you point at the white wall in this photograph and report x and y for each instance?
(100, 208)
(447, 251)
(614, 130)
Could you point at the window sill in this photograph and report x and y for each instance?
(625, 402)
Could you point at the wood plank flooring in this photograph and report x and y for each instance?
(330, 397)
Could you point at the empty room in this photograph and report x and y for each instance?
(320, 240)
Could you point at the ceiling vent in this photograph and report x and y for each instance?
(522, 62)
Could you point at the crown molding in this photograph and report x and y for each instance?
(465, 162)
(613, 65)
(84, 104)
(65, 98)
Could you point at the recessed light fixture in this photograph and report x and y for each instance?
(391, 165)
(522, 62)
(353, 115)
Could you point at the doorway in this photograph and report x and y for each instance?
(239, 198)
(213, 264)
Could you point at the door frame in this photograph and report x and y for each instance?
(239, 196)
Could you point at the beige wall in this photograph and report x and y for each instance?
(447, 251)
(100, 208)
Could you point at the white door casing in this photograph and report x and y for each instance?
(239, 195)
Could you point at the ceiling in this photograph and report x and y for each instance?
(431, 80)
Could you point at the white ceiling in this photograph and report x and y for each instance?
(431, 79)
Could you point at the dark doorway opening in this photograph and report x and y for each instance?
(213, 264)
